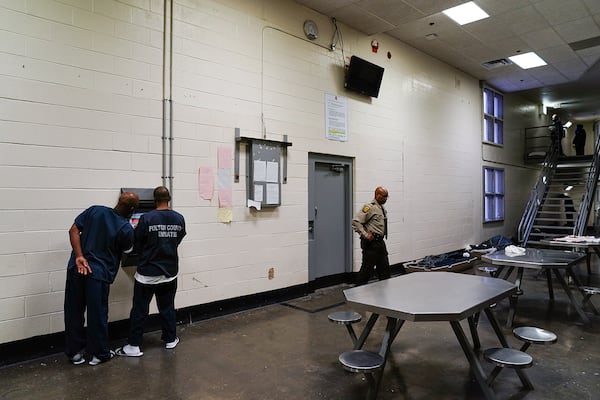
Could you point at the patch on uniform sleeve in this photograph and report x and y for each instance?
(366, 209)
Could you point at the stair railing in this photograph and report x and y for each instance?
(585, 207)
(536, 196)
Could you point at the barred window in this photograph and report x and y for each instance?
(493, 194)
(493, 116)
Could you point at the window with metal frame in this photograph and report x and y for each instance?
(493, 194)
(493, 116)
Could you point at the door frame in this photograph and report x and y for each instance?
(348, 164)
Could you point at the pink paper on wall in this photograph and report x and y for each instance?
(206, 182)
(225, 198)
(224, 157)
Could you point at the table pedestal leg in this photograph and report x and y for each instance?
(496, 326)
(366, 331)
(550, 288)
(476, 367)
(562, 282)
(514, 299)
(473, 322)
(577, 283)
(391, 331)
(589, 259)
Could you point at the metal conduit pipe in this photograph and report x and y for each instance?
(167, 111)
(164, 108)
(170, 176)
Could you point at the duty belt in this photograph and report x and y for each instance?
(377, 237)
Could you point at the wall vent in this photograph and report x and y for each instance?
(496, 63)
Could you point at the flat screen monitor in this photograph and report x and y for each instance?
(363, 77)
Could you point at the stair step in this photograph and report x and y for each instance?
(553, 227)
(552, 219)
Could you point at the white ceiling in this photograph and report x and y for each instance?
(565, 33)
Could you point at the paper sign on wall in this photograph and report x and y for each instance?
(336, 117)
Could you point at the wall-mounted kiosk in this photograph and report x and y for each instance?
(146, 204)
(266, 166)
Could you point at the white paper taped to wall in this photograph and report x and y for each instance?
(255, 204)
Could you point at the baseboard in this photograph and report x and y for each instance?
(45, 345)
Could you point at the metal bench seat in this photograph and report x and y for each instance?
(534, 335)
(361, 361)
(346, 318)
(366, 362)
(503, 357)
(492, 271)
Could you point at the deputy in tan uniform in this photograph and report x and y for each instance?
(371, 224)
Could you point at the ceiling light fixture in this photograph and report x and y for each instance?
(527, 60)
(466, 13)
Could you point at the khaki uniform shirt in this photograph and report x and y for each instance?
(370, 218)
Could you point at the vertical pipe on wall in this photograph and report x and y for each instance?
(171, 102)
(164, 108)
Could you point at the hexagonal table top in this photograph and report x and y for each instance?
(430, 296)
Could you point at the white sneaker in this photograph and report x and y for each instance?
(173, 344)
(95, 360)
(129, 351)
(77, 359)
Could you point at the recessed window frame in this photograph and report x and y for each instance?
(493, 194)
(493, 116)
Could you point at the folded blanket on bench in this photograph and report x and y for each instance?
(444, 260)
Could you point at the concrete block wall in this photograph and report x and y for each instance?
(81, 116)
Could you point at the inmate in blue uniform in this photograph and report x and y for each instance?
(157, 237)
(105, 235)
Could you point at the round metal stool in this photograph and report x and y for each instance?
(344, 317)
(361, 361)
(489, 270)
(533, 335)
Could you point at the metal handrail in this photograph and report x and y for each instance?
(586, 204)
(537, 139)
(537, 195)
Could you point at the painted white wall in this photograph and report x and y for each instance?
(81, 93)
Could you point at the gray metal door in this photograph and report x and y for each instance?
(329, 215)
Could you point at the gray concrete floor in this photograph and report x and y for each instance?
(283, 352)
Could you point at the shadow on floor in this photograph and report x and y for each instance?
(289, 351)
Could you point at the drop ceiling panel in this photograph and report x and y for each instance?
(496, 7)
(580, 29)
(326, 7)
(560, 11)
(361, 20)
(394, 12)
(429, 7)
(541, 39)
(556, 54)
(544, 26)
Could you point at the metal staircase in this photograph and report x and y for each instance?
(562, 199)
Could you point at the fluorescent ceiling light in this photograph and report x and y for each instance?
(527, 60)
(466, 13)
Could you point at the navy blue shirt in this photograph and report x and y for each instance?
(157, 235)
(105, 235)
